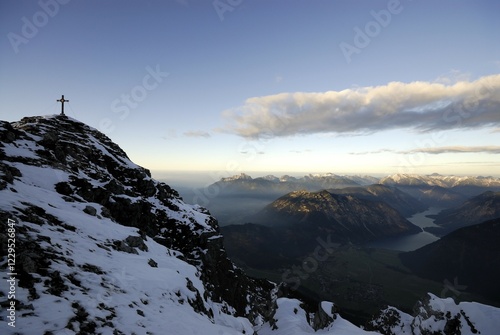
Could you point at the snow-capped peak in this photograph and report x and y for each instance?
(241, 176)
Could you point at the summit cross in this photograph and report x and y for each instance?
(62, 101)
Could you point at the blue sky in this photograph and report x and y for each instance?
(232, 86)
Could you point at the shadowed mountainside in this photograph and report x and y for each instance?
(483, 207)
(470, 255)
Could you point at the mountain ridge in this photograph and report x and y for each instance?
(483, 207)
(345, 216)
(404, 203)
(445, 181)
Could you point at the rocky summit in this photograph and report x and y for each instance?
(100, 247)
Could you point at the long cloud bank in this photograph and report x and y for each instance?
(420, 106)
(491, 149)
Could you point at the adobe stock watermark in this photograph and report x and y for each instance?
(373, 28)
(11, 272)
(130, 100)
(32, 25)
(455, 116)
(223, 6)
(294, 276)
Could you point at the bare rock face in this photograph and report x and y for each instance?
(326, 315)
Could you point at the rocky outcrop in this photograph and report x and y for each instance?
(433, 315)
(325, 316)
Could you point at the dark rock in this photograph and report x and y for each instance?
(28, 261)
(49, 139)
(90, 210)
(113, 187)
(136, 242)
(92, 268)
(152, 263)
(7, 173)
(123, 246)
(64, 188)
(321, 319)
(10, 134)
(56, 284)
(385, 321)
(105, 212)
(81, 317)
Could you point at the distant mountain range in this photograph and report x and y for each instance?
(314, 182)
(442, 191)
(483, 207)
(234, 199)
(440, 180)
(272, 184)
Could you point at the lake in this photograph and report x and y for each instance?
(411, 242)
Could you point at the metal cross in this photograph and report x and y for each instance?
(62, 101)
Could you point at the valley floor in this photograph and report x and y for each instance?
(360, 281)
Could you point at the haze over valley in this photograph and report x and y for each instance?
(273, 224)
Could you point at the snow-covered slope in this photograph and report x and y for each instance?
(435, 315)
(291, 319)
(90, 287)
(102, 248)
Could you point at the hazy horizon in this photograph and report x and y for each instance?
(199, 179)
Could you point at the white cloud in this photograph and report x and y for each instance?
(491, 149)
(421, 106)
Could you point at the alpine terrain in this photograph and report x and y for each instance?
(291, 225)
(91, 244)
